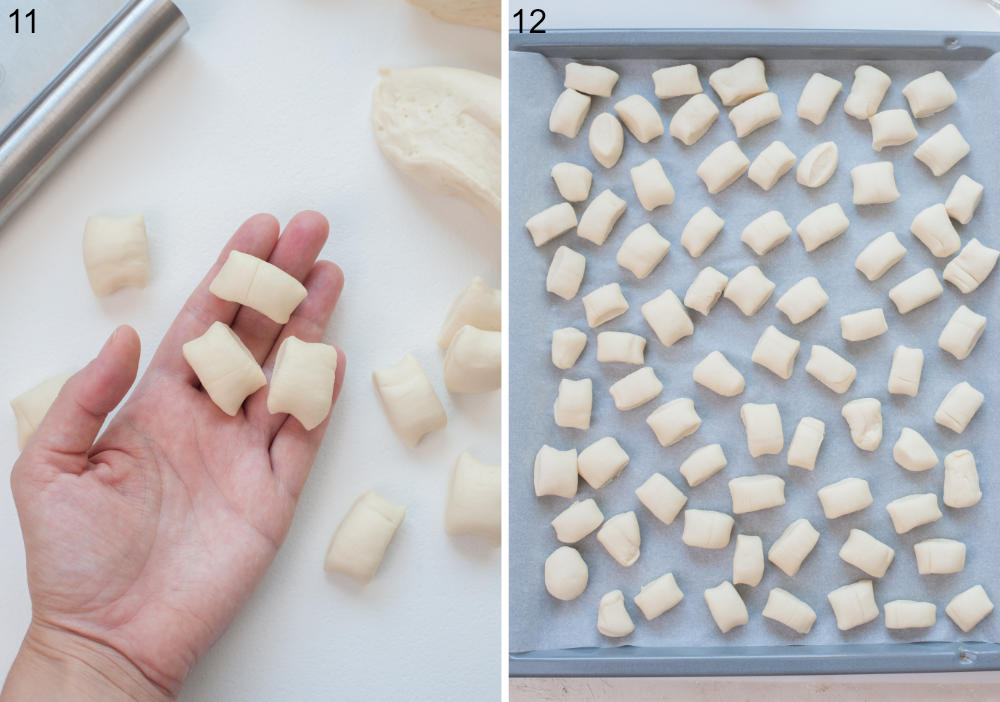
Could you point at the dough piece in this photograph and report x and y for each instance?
(566, 573)
(942, 150)
(854, 604)
(620, 347)
(612, 617)
(604, 304)
(550, 223)
(806, 442)
(477, 13)
(442, 127)
(717, 374)
(674, 420)
(939, 556)
(700, 231)
(766, 232)
(601, 462)
(784, 607)
(970, 607)
(591, 80)
(961, 480)
(763, 428)
(636, 389)
(748, 560)
(771, 164)
(303, 378)
(652, 187)
(574, 403)
(822, 225)
(600, 217)
(674, 81)
(869, 88)
(620, 536)
(116, 253)
(912, 452)
(555, 472)
(474, 503)
(667, 317)
(844, 497)
(661, 497)
(864, 325)
(642, 250)
(31, 407)
(909, 614)
(907, 367)
(572, 181)
(753, 493)
(934, 229)
(929, 94)
(726, 606)
(907, 513)
(874, 183)
(831, 369)
(640, 117)
(776, 352)
(749, 116)
(224, 366)
(567, 345)
(658, 596)
(249, 281)
(961, 334)
(738, 82)
(565, 273)
(958, 407)
(963, 199)
(478, 305)
(362, 537)
(881, 254)
(410, 404)
(693, 119)
(474, 361)
(577, 521)
(704, 528)
(818, 165)
(749, 290)
(803, 300)
(702, 464)
(919, 289)
(723, 167)
(971, 267)
(864, 418)
(705, 290)
(891, 128)
(568, 113)
(791, 548)
(606, 139)
(817, 96)
(865, 552)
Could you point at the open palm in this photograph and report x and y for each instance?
(149, 540)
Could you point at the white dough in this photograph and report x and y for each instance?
(700, 231)
(817, 96)
(818, 165)
(881, 254)
(225, 367)
(612, 617)
(606, 139)
(958, 407)
(962, 332)
(970, 607)
(661, 497)
(891, 128)
(919, 289)
(705, 290)
(874, 183)
(776, 352)
(620, 347)
(766, 232)
(565, 273)
(478, 305)
(568, 113)
(863, 325)
(963, 199)
(831, 369)
(939, 556)
(474, 13)
(620, 537)
(567, 345)
(864, 418)
(566, 573)
(907, 367)
(600, 216)
(702, 464)
(635, 389)
(869, 88)
(693, 119)
(667, 317)
(942, 150)
(674, 420)
(31, 407)
(591, 80)
(410, 404)
(249, 281)
(771, 164)
(574, 403)
(929, 94)
(601, 462)
(474, 504)
(865, 552)
(806, 442)
(907, 513)
(674, 81)
(640, 117)
(658, 596)
(717, 374)
(550, 223)
(723, 166)
(302, 381)
(791, 548)
(912, 452)
(642, 250)
(822, 225)
(474, 361)
(909, 614)
(738, 82)
(844, 497)
(749, 290)
(572, 181)
(803, 300)
(362, 537)
(116, 253)
(752, 493)
(748, 560)
(972, 266)
(934, 229)
(726, 606)
(707, 529)
(854, 604)
(961, 480)
(758, 111)
(604, 304)
(784, 607)
(577, 521)
(763, 428)
(555, 472)
(652, 187)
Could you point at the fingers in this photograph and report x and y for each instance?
(295, 253)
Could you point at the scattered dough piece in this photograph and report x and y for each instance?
(919, 289)
(652, 187)
(869, 88)
(854, 604)
(929, 94)
(748, 560)
(661, 497)
(474, 361)
(302, 381)
(612, 617)
(555, 472)
(478, 305)
(723, 166)
(577, 521)
(907, 513)
(674, 420)
(620, 536)
(658, 596)
(600, 217)
(806, 442)
(116, 253)
(717, 374)
(565, 273)
(803, 300)
(31, 407)
(674, 81)
(864, 325)
(972, 266)
(572, 181)
(604, 304)
(822, 225)
(758, 111)
(551, 222)
(260, 285)
(591, 80)
(776, 352)
(891, 128)
(942, 150)
(818, 165)
(771, 164)
(474, 503)
(865, 552)
(784, 607)
(881, 254)
(934, 229)
(831, 369)
(620, 347)
(939, 556)
(700, 231)
(568, 113)
(640, 117)
(907, 367)
(606, 139)
(753, 493)
(666, 315)
(766, 232)
(963, 199)
(817, 96)
(225, 367)
(702, 464)
(909, 614)
(636, 389)
(642, 250)
(969, 608)
(912, 452)
(864, 418)
(574, 403)
(874, 183)
(705, 290)
(763, 428)
(360, 540)
(726, 606)
(412, 407)
(601, 462)
(478, 13)
(844, 497)
(567, 345)
(961, 480)
(693, 119)
(749, 290)
(958, 407)
(791, 548)
(704, 528)
(961, 334)
(566, 573)
(738, 82)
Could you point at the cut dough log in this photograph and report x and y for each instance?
(224, 366)
(907, 367)
(908, 513)
(700, 231)
(600, 217)
(817, 96)
(568, 113)
(942, 150)
(726, 606)
(591, 80)
(661, 497)
(31, 407)
(474, 503)
(844, 497)
(874, 183)
(753, 493)
(854, 604)
(567, 345)
(410, 404)
(934, 229)
(555, 472)
(636, 389)
(717, 374)
(881, 254)
(577, 521)
(912, 452)
(929, 94)
(620, 537)
(702, 464)
(958, 407)
(869, 88)
(704, 528)
(749, 290)
(658, 596)
(642, 250)
(831, 369)
(640, 117)
(475, 13)
(601, 462)
(565, 273)
(766, 232)
(566, 573)
(758, 111)
(962, 332)
(806, 442)
(961, 480)
(723, 167)
(738, 82)
(963, 199)
(822, 225)
(803, 300)
(620, 347)
(652, 187)
(970, 607)
(478, 305)
(303, 379)
(674, 420)
(612, 617)
(791, 548)
(361, 539)
(667, 317)
(705, 290)
(864, 418)
(674, 81)
(917, 290)
(939, 556)
(115, 253)
(909, 614)
(891, 128)
(693, 119)
(784, 607)
(550, 223)
(771, 164)
(604, 304)
(606, 139)
(574, 403)
(474, 361)
(763, 428)
(818, 165)
(249, 281)
(864, 325)
(748, 560)
(865, 552)
(971, 267)
(572, 181)
(776, 352)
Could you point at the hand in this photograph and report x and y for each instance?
(142, 547)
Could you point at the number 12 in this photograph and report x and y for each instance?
(535, 27)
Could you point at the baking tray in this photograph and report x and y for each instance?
(529, 194)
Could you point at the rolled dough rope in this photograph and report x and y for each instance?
(606, 139)
(477, 13)
(478, 305)
(909, 614)
(771, 164)
(674, 81)
(758, 111)
(620, 537)
(863, 325)
(791, 548)
(803, 300)
(600, 217)
(604, 304)
(565, 273)
(738, 82)
(869, 88)
(566, 573)
(224, 366)
(912, 452)
(249, 281)
(693, 119)
(573, 403)
(661, 497)
(612, 617)
(763, 428)
(766, 232)
(749, 290)
(410, 404)
(939, 556)
(874, 183)
(748, 560)
(577, 521)
(776, 352)
(550, 223)
(636, 389)
(907, 513)
(817, 96)
(717, 374)
(652, 187)
(620, 347)
(361, 539)
(705, 290)
(970, 607)
(591, 80)
(642, 250)
(302, 381)
(854, 604)
(674, 420)
(844, 497)
(667, 318)
(822, 225)
(934, 229)
(31, 406)
(962, 332)
(115, 253)
(723, 167)
(555, 472)
(942, 150)
(702, 464)
(806, 442)
(961, 480)
(474, 361)
(567, 345)
(891, 128)
(864, 418)
(963, 199)
(971, 267)
(929, 94)
(866, 553)
(658, 596)
(568, 113)
(785, 608)
(818, 165)
(640, 117)
(907, 367)
(726, 606)
(831, 369)
(474, 502)
(881, 254)
(753, 493)
(706, 529)
(601, 462)
(700, 231)
(917, 290)
(572, 181)
(958, 407)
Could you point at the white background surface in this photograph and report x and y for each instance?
(264, 107)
